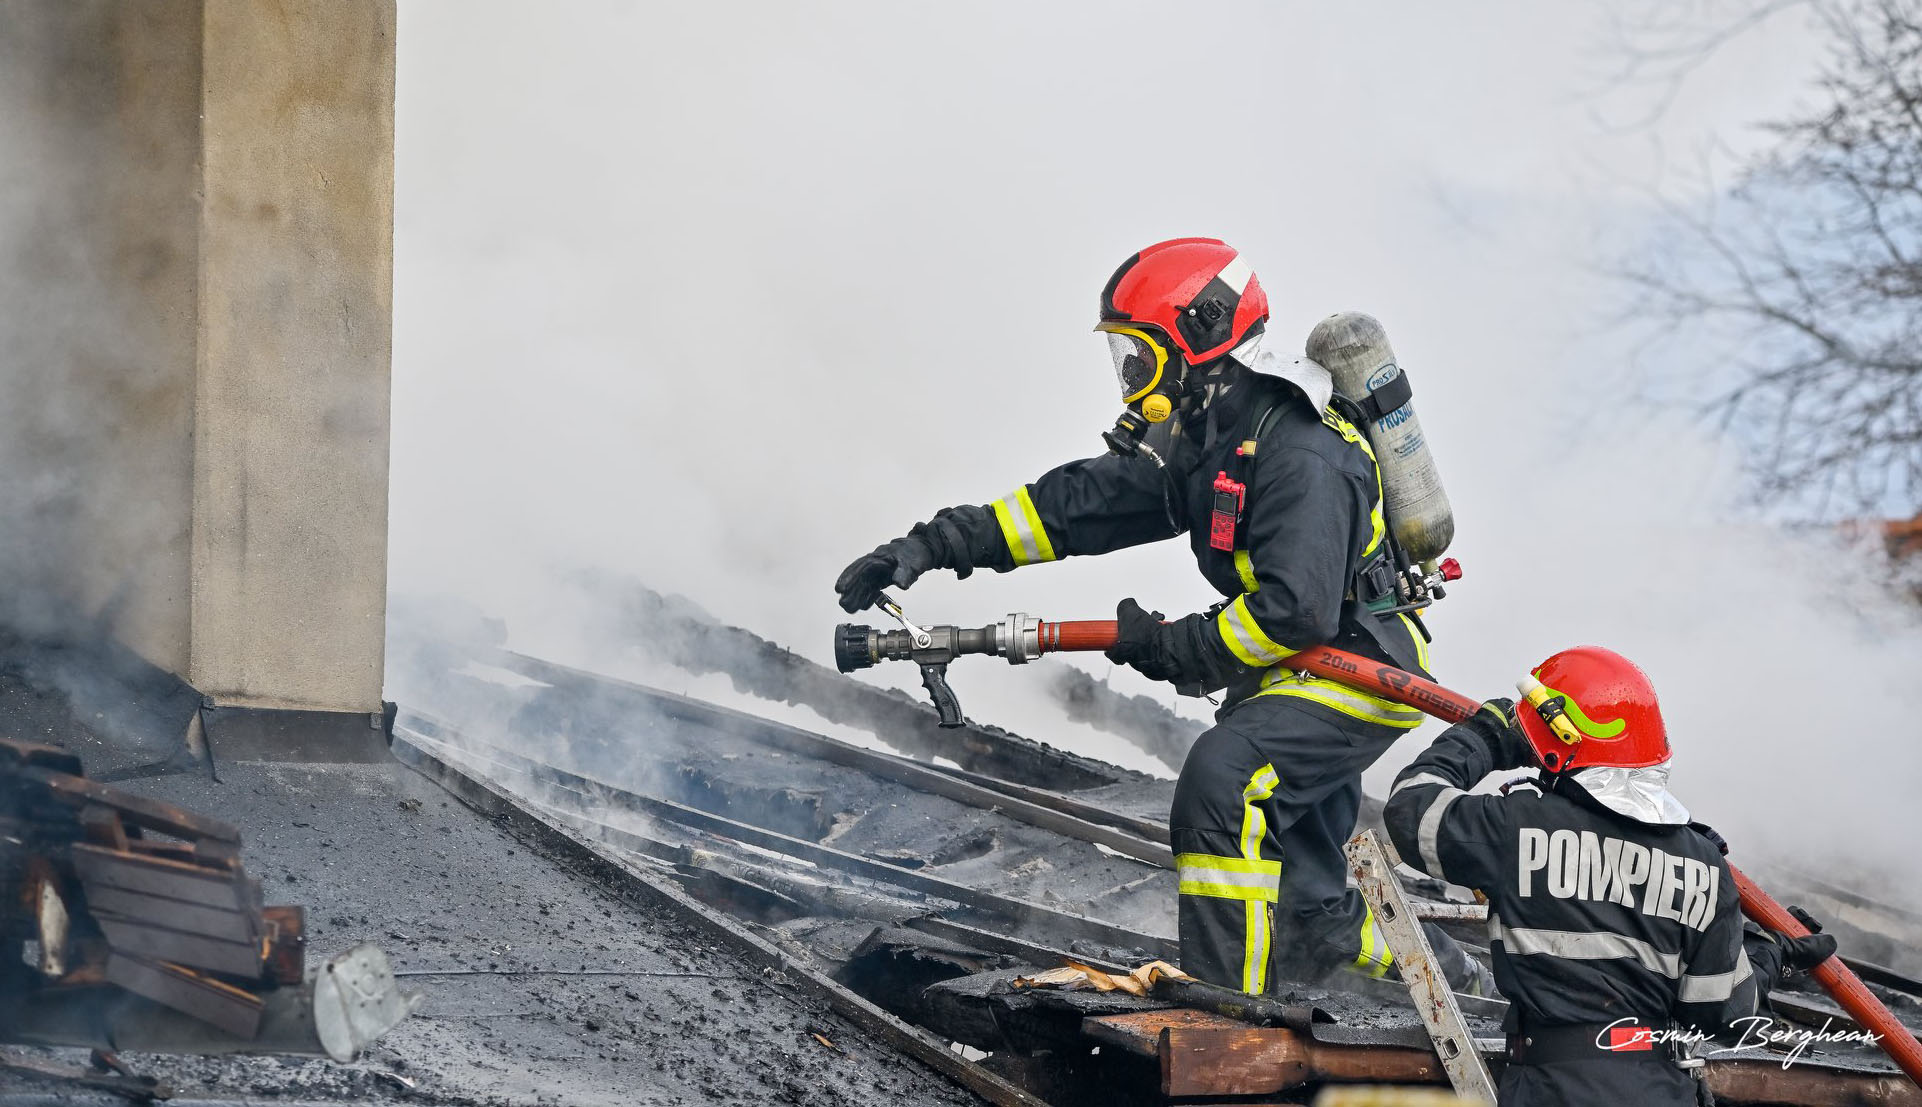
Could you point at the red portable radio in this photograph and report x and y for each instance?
(1230, 495)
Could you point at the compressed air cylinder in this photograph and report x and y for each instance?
(1354, 349)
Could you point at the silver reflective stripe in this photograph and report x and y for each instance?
(1231, 618)
(1416, 781)
(1016, 516)
(1592, 945)
(1425, 838)
(1717, 988)
(1225, 876)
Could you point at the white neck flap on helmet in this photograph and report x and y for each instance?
(1640, 794)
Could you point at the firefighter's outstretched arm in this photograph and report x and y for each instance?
(1435, 824)
(1732, 966)
(1084, 507)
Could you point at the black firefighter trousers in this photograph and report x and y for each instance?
(1266, 800)
(1609, 1082)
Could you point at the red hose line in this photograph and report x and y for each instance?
(1410, 690)
(1837, 979)
(1078, 637)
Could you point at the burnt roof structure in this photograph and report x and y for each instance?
(608, 892)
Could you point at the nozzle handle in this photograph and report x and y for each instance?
(934, 677)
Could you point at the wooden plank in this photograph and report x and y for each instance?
(180, 947)
(1807, 1085)
(287, 944)
(1247, 1060)
(1139, 1032)
(159, 877)
(46, 757)
(209, 1000)
(141, 811)
(213, 922)
(103, 828)
(1251, 1060)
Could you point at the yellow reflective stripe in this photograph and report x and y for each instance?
(1219, 890)
(1254, 825)
(1370, 961)
(1245, 569)
(1021, 526)
(1034, 523)
(1340, 697)
(1377, 523)
(1421, 644)
(1244, 638)
(1185, 863)
(1258, 922)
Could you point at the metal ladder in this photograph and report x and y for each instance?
(1374, 869)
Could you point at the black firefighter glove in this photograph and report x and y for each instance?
(1808, 951)
(951, 540)
(1161, 650)
(1495, 723)
(898, 564)
(1774, 956)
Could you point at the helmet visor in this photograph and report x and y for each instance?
(1138, 362)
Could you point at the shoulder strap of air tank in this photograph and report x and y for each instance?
(1267, 404)
(1374, 582)
(1349, 412)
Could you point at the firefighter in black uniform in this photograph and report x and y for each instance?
(1281, 499)
(1611, 916)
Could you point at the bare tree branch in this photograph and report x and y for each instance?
(1806, 279)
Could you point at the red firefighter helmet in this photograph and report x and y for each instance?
(1611, 703)
(1196, 293)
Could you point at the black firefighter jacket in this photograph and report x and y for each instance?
(1312, 513)
(1592, 916)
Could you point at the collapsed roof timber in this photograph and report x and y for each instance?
(700, 890)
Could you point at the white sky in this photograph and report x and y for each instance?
(722, 295)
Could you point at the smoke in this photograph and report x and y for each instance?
(94, 428)
(719, 303)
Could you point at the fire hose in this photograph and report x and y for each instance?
(1021, 638)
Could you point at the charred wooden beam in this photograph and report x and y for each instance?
(892, 968)
(904, 723)
(995, 942)
(1240, 1006)
(1205, 1055)
(1147, 830)
(418, 749)
(899, 770)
